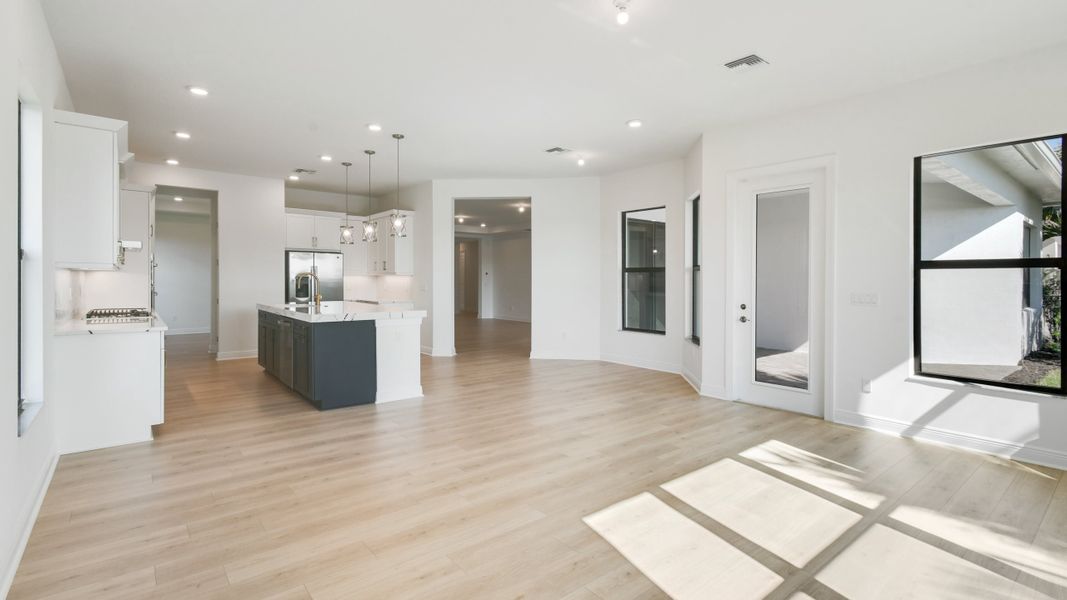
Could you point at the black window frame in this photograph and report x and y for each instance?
(694, 335)
(653, 270)
(919, 265)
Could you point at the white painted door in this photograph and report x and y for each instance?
(778, 309)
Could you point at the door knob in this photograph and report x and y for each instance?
(743, 319)
(744, 306)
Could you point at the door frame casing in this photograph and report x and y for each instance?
(823, 169)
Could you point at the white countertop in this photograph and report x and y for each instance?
(81, 327)
(342, 311)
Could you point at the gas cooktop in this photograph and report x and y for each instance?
(99, 316)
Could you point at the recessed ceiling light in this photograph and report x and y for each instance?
(197, 90)
(522, 209)
(581, 162)
(172, 161)
(374, 127)
(483, 224)
(294, 178)
(182, 135)
(634, 123)
(178, 198)
(326, 158)
(460, 219)
(622, 17)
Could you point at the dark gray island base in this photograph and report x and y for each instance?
(332, 363)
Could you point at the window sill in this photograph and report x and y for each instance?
(977, 386)
(30, 411)
(629, 330)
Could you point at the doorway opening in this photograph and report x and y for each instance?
(185, 264)
(492, 277)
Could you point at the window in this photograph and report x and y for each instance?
(643, 272)
(988, 264)
(694, 309)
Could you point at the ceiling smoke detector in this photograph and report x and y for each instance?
(746, 63)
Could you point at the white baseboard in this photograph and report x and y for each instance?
(399, 393)
(937, 435)
(188, 331)
(237, 354)
(641, 363)
(713, 391)
(507, 318)
(427, 350)
(691, 379)
(27, 528)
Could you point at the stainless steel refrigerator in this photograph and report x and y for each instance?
(329, 266)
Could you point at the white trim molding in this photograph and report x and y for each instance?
(653, 365)
(238, 354)
(27, 528)
(937, 435)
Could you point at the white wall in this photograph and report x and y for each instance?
(183, 278)
(781, 316)
(646, 187)
(251, 215)
(29, 68)
(328, 201)
(874, 139)
(511, 276)
(565, 248)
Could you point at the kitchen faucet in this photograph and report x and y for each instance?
(313, 286)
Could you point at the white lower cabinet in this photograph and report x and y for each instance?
(111, 391)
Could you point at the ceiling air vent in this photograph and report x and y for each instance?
(557, 150)
(747, 62)
(305, 171)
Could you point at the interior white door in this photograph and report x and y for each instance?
(778, 291)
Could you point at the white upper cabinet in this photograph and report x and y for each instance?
(308, 231)
(327, 233)
(88, 151)
(299, 231)
(392, 255)
(321, 231)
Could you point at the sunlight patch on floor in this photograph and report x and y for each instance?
(884, 563)
(817, 471)
(685, 560)
(1047, 564)
(790, 522)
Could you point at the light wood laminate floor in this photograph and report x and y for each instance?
(514, 478)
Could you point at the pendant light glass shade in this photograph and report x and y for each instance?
(370, 231)
(346, 228)
(398, 220)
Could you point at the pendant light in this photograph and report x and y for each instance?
(347, 236)
(398, 220)
(370, 232)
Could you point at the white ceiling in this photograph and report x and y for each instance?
(481, 88)
(500, 215)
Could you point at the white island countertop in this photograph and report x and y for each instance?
(342, 311)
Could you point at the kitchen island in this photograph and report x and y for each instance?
(342, 353)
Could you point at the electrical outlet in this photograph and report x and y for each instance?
(863, 299)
